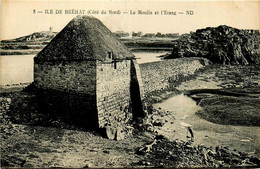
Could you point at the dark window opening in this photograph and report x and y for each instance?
(109, 55)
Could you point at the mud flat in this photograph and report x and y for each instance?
(222, 108)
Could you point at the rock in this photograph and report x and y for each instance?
(8, 100)
(255, 160)
(159, 122)
(236, 160)
(150, 128)
(161, 164)
(120, 135)
(90, 165)
(146, 163)
(129, 130)
(189, 146)
(140, 152)
(160, 137)
(110, 132)
(235, 154)
(235, 47)
(22, 163)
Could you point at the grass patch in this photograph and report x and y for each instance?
(231, 110)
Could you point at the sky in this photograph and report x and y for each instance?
(18, 17)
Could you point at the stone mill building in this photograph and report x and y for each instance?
(86, 75)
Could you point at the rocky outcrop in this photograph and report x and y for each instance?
(163, 153)
(222, 44)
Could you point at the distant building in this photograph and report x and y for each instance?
(159, 34)
(172, 35)
(150, 35)
(138, 34)
(121, 34)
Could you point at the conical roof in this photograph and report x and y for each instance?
(84, 38)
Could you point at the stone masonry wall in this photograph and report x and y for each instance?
(4, 107)
(99, 92)
(78, 77)
(68, 90)
(113, 93)
(162, 75)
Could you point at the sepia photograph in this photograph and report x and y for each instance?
(129, 84)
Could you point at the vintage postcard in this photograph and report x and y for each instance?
(108, 84)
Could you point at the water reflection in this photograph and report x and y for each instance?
(16, 69)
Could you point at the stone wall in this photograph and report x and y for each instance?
(164, 74)
(94, 90)
(4, 107)
(77, 108)
(102, 94)
(68, 90)
(74, 76)
(113, 92)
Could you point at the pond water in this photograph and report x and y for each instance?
(145, 57)
(16, 69)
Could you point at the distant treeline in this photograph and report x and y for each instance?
(121, 34)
